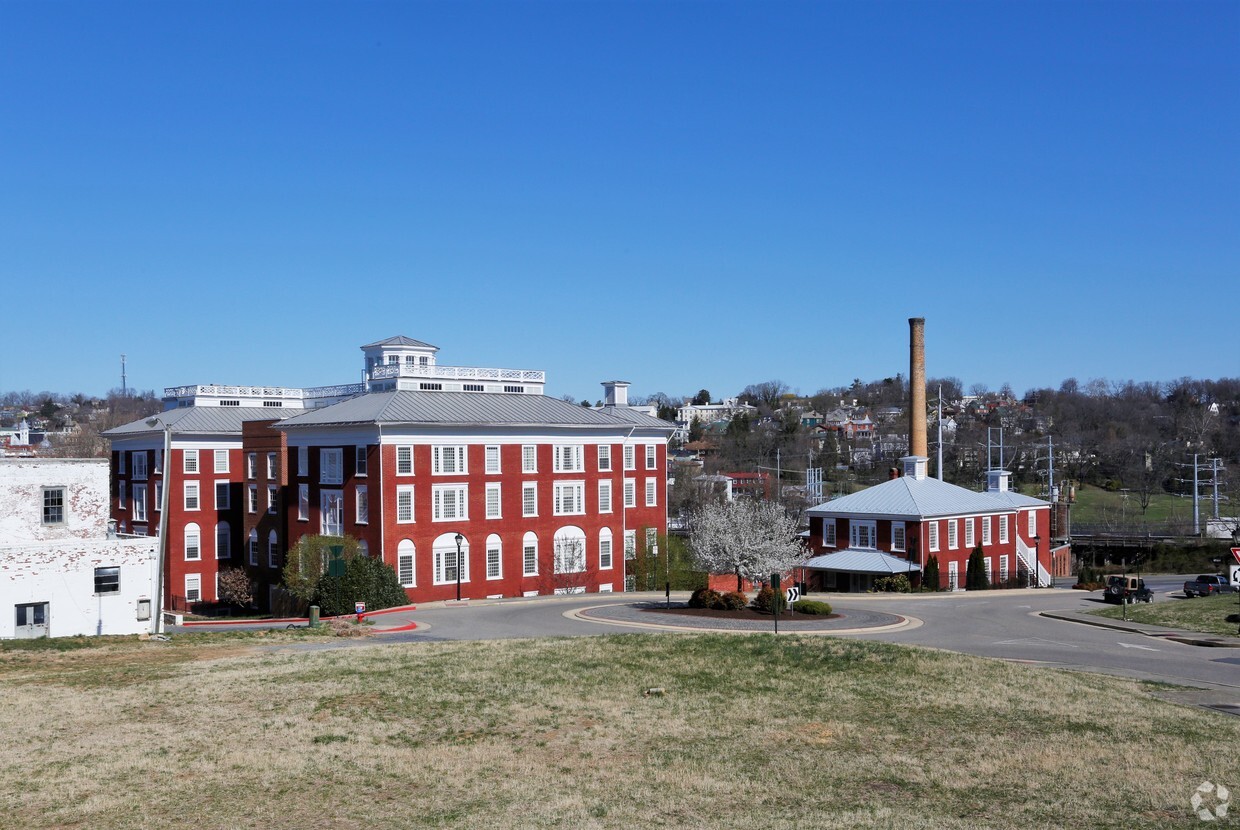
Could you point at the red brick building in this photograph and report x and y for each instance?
(896, 526)
(544, 496)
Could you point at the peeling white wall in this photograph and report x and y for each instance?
(21, 498)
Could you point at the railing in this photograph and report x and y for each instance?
(403, 370)
(338, 391)
(233, 391)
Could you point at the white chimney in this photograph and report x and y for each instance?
(615, 393)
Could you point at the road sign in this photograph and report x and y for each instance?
(793, 594)
(1235, 576)
(1236, 553)
(359, 608)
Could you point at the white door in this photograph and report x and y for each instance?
(953, 576)
(31, 621)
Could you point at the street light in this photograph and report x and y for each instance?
(1037, 557)
(459, 540)
(163, 520)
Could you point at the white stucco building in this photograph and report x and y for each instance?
(61, 572)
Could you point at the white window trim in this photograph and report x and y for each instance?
(192, 487)
(401, 489)
(494, 488)
(218, 457)
(361, 505)
(460, 499)
(226, 486)
(529, 458)
(630, 493)
(970, 533)
(189, 462)
(854, 534)
(829, 533)
(496, 545)
(529, 507)
(1003, 529)
(953, 534)
(577, 489)
(331, 465)
(303, 502)
(439, 572)
(604, 497)
(903, 537)
(604, 453)
(652, 457)
(652, 492)
(401, 449)
(492, 453)
(932, 536)
(251, 465)
(460, 456)
(528, 542)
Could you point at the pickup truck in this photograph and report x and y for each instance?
(1207, 584)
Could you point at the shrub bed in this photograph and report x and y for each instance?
(811, 607)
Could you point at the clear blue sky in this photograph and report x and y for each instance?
(683, 195)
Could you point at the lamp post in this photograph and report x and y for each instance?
(459, 540)
(1037, 555)
(163, 521)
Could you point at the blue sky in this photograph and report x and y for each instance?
(683, 195)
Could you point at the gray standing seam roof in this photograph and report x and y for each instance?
(465, 409)
(912, 498)
(198, 419)
(400, 340)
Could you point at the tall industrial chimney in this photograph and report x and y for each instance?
(917, 387)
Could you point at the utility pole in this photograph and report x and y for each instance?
(1196, 501)
(940, 432)
(1216, 466)
(124, 382)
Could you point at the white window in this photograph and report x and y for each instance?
(604, 457)
(251, 465)
(990, 576)
(448, 460)
(651, 457)
(985, 531)
(331, 466)
(604, 550)
(54, 505)
(159, 496)
(404, 461)
(121, 494)
(448, 557)
(652, 492)
(303, 502)
(629, 460)
(331, 518)
(193, 587)
(970, 533)
(360, 461)
(570, 551)
(363, 505)
(120, 462)
(139, 466)
(221, 461)
(492, 459)
(932, 530)
(193, 542)
(604, 497)
(273, 495)
(1031, 526)
(449, 502)
(404, 504)
(570, 498)
(493, 501)
(630, 493)
(953, 576)
(828, 532)
(495, 566)
(1003, 529)
(529, 459)
(139, 502)
(1003, 569)
(862, 534)
(251, 498)
(897, 536)
(223, 541)
(568, 458)
(652, 541)
(404, 564)
(953, 539)
(159, 461)
(303, 461)
(223, 499)
(271, 466)
(190, 460)
(529, 555)
(253, 546)
(630, 544)
(529, 499)
(273, 550)
(191, 495)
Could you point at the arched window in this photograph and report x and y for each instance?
(223, 541)
(495, 557)
(193, 541)
(253, 547)
(529, 554)
(570, 550)
(446, 558)
(404, 564)
(273, 550)
(604, 549)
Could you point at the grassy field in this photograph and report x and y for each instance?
(1208, 614)
(1095, 505)
(751, 732)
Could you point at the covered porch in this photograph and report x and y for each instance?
(854, 571)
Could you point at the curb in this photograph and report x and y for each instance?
(1175, 635)
(906, 623)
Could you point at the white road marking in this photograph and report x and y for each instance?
(1034, 640)
(1143, 648)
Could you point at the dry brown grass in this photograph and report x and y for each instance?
(752, 732)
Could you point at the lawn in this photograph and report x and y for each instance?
(1207, 614)
(755, 731)
(1095, 505)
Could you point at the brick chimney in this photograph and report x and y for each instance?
(917, 387)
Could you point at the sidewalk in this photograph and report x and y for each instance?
(1175, 635)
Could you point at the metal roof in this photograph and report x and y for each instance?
(914, 498)
(466, 409)
(861, 562)
(400, 340)
(198, 419)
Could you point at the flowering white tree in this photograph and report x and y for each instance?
(749, 538)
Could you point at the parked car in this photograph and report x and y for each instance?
(1207, 584)
(1126, 589)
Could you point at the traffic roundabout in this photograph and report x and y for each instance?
(672, 617)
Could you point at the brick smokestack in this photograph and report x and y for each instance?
(917, 386)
